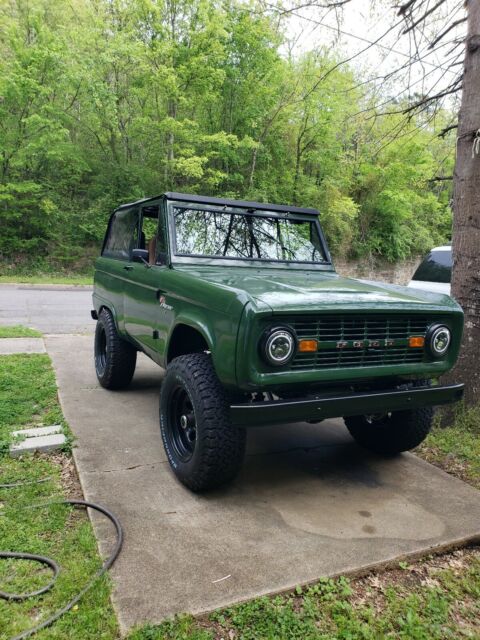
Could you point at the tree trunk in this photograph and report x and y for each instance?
(172, 112)
(466, 221)
(252, 168)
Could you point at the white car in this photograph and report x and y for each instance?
(435, 271)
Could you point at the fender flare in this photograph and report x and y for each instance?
(197, 325)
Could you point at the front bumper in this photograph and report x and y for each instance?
(255, 414)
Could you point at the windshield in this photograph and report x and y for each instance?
(248, 235)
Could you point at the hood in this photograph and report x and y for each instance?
(284, 290)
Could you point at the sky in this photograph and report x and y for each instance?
(359, 22)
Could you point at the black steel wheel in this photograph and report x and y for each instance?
(115, 358)
(181, 423)
(101, 350)
(203, 448)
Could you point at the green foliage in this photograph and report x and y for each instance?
(107, 102)
(399, 213)
(180, 628)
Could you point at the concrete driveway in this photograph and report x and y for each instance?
(309, 502)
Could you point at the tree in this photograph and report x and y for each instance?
(109, 101)
(466, 184)
(434, 26)
(466, 205)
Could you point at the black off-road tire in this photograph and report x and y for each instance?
(393, 432)
(115, 358)
(213, 452)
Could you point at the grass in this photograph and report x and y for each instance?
(435, 598)
(28, 393)
(18, 331)
(58, 532)
(47, 278)
(28, 396)
(456, 449)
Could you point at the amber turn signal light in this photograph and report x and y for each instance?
(307, 345)
(416, 341)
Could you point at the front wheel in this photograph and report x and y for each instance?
(203, 448)
(392, 432)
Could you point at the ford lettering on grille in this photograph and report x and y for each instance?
(365, 344)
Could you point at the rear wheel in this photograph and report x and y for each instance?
(203, 448)
(115, 359)
(392, 432)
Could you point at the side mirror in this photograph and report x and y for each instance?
(140, 255)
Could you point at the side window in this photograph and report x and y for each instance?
(437, 267)
(152, 234)
(122, 235)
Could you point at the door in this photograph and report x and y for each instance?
(144, 311)
(111, 269)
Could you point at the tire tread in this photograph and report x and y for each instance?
(221, 445)
(122, 356)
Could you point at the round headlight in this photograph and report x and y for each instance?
(278, 346)
(439, 340)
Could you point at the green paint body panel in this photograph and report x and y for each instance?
(231, 303)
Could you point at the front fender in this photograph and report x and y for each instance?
(196, 321)
(219, 331)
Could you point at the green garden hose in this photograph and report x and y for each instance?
(54, 566)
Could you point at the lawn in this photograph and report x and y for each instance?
(47, 278)
(28, 396)
(18, 331)
(436, 598)
(59, 532)
(28, 393)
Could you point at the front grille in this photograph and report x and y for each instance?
(383, 340)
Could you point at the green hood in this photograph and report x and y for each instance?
(290, 289)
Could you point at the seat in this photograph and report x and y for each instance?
(152, 250)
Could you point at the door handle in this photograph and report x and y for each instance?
(128, 267)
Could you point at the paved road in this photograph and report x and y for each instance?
(49, 308)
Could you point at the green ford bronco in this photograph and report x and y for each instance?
(241, 304)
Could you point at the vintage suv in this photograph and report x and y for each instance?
(240, 303)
